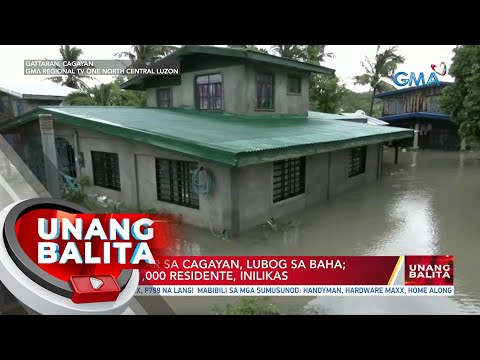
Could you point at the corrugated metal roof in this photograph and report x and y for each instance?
(327, 116)
(233, 140)
(418, 115)
(369, 119)
(36, 89)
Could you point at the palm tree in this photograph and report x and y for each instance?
(101, 95)
(107, 95)
(308, 53)
(382, 68)
(143, 55)
(76, 81)
(294, 52)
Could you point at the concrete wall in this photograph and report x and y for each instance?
(339, 180)
(138, 179)
(284, 103)
(326, 177)
(184, 95)
(240, 94)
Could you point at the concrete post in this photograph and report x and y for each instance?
(415, 136)
(76, 149)
(463, 144)
(49, 154)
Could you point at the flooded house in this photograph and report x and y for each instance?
(228, 143)
(418, 108)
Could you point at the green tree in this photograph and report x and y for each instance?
(314, 54)
(326, 93)
(250, 47)
(353, 101)
(76, 80)
(143, 55)
(107, 95)
(381, 68)
(461, 100)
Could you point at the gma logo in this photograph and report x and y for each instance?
(402, 79)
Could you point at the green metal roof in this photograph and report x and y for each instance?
(241, 53)
(232, 140)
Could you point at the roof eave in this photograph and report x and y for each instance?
(222, 157)
(213, 154)
(419, 115)
(11, 92)
(252, 158)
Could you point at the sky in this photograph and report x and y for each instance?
(346, 61)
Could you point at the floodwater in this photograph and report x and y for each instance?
(426, 204)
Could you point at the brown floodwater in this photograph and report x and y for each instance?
(426, 204)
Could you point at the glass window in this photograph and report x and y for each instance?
(164, 98)
(174, 182)
(209, 91)
(288, 178)
(356, 161)
(294, 84)
(6, 105)
(265, 92)
(106, 171)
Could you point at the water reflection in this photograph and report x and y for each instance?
(413, 228)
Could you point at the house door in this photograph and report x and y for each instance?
(65, 157)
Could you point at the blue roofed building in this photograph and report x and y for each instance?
(417, 107)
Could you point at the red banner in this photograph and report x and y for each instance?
(298, 270)
(271, 270)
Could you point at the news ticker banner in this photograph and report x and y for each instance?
(90, 258)
(298, 276)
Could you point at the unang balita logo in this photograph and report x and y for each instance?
(402, 78)
(429, 270)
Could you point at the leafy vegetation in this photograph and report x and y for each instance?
(110, 94)
(326, 93)
(76, 195)
(382, 67)
(461, 100)
(308, 53)
(352, 101)
(143, 55)
(248, 306)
